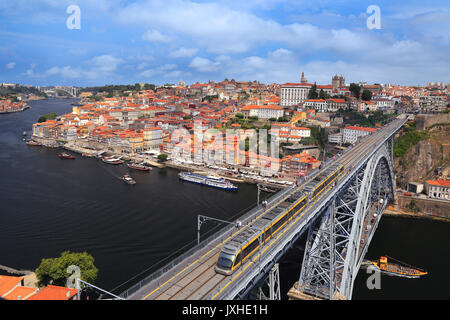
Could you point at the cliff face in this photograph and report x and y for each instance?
(418, 163)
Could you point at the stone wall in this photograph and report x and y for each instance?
(439, 208)
(426, 120)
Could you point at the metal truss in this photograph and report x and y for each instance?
(271, 284)
(337, 243)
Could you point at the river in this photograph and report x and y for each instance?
(49, 205)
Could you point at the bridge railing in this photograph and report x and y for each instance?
(192, 252)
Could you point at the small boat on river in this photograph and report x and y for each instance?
(65, 155)
(127, 179)
(397, 268)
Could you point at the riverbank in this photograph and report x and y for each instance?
(153, 161)
(18, 110)
(391, 211)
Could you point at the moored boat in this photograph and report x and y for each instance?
(137, 166)
(87, 155)
(33, 143)
(211, 181)
(127, 179)
(397, 268)
(65, 155)
(112, 160)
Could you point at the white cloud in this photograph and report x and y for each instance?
(65, 72)
(98, 67)
(106, 63)
(183, 52)
(10, 65)
(161, 70)
(142, 65)
(223, 30)
(155, 35)
(204, 65)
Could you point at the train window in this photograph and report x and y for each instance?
(225, 260)
(238, 259)
(251, 247)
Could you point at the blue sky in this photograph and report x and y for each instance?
(165, 41)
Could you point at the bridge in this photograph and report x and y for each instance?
(71, 91)
(340, 223)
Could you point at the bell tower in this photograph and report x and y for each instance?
(303, 79)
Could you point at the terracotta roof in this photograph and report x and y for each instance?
(22, 292)
(54, 293)
(440, 182)
(360, 128)
(8, 282)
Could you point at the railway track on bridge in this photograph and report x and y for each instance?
(196, 279)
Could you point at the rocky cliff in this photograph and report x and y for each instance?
(418, 163)
(421, 160)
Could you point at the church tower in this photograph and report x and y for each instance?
(303, 79)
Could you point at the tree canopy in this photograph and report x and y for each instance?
(355, 89)
(366, 95)
(55, 270)
(48, 116)
(313, 94)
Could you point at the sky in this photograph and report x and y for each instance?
(271, 41)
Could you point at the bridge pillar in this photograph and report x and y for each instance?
(273, 283)
(336, 245)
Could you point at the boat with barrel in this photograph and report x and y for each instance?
(211, 181)
(65, 155)
(138, 166)
(397, 268)
(128, 180)
(112, 160)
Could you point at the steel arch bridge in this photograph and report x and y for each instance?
(340, 224)
(336, 245)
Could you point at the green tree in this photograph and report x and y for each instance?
(162, 157)
(323, 95)
(355, 89)
(239, 115)
(54, 270)
(366, 95)
(48, 116)
(312, 94)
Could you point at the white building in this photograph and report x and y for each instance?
(384, 103)
(263, 112)
(351, 134)
(335, 138)
(439, 189)
(294, 93)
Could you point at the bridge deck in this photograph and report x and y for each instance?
(195, 277)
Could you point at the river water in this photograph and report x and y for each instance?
(49, 205)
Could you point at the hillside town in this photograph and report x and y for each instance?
(141, 124)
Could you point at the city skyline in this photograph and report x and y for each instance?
(121, 42)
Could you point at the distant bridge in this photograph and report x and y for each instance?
(341, 221)
(71, 91)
